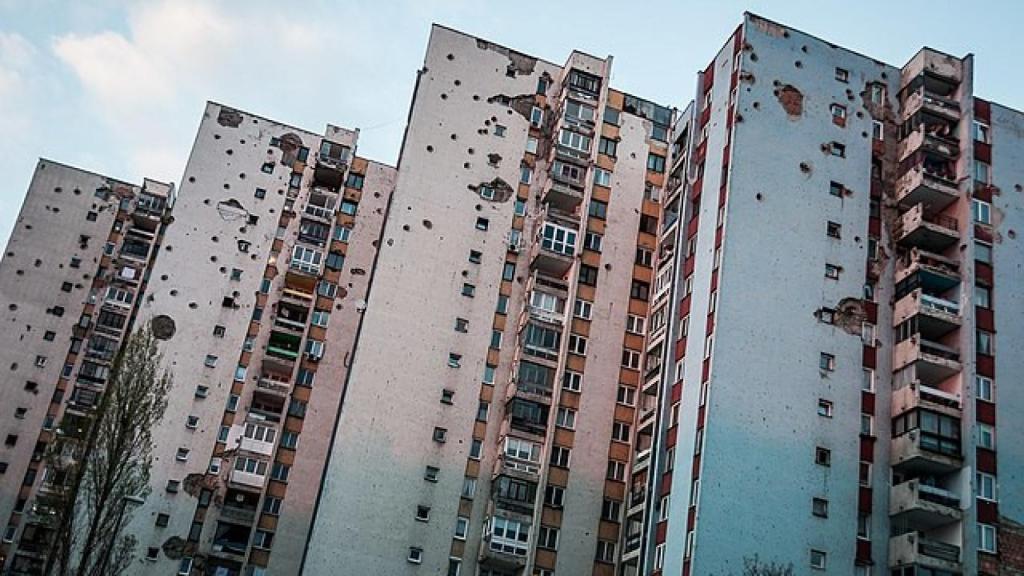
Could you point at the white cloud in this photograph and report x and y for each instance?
(16, 58)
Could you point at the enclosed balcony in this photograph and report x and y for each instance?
(927, 180)
(922, 506)
(532, 382)
(506, 544)
(913, 549)
(527, 416)
(291, 317)
(554, 251)
(931, 232)
(546, 307)
(541, 342)
(931, 316)
(514, 494)
(320, 206)
(283, 345)
(931, 448)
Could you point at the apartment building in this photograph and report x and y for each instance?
(259, 293)
(488, 414)
(827, 395)
(71, 280)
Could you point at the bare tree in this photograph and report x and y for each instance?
(105, 471)
(753, 566)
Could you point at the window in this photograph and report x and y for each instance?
(982, 297)
(202, 391)
(819, 507)
(818, 559)
(572, 381)
(502, 306)
(832, 271)
(577, 344)
(616, 470)
(461, 527)
(655, 163)
(565, 418)
(824, 408)
(342, 233)
(468, 290)
(982, 172)
(640, 290)
(986, 538)
(985, 342)
(868, 382)
(842, 75)
(635, 324)
(182, 455)
(982, 132)
(482, 223)
(531, 145)
(554, 496)
(867, 425)
(631, 359)
(598, 209)
(984, 388)
(827, 362)
(644, 257)
(981, 211)
(192, 422)
(560, 456)
(588, 275)
(602, 177)
(185, 566)
(986, 436)
(574, 140)
(827, 316)
(499, 130)
(837, 149)
(509, 271)
(833, 230)
(476, 449)
(626, 395)
(509, 536)
(607, 146)
(262, 540)
(440, 435)
(864, 475)
(877, 130)
(621, 432)
(582, 309)
(838, 114)
(280, 472)
(289, 439)
(835, 189)
(415, 555)
(152, 553)
(482, 409)
(423, 513)
(983, 252)
(864, 526)
(592, 241)
(468, 487)
(822, 456)
(173, 486)
(985, 486)
(605, 551)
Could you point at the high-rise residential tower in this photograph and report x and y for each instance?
(830, 376)
(258, 295)
(489, 408)
(71, 281)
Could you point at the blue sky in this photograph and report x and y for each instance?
(118, 87)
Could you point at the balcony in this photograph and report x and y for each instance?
(915, 395)
(514, 494)
(284, 346)
(554, 251)
(923, 99)
(912, 549)
(248, 479)
(546, 316)
(917, 452)
(933, 362)
(934, 187)
(530, 392)
(517, 468)
(923, 507)
(936, 274)
(274, 386)
(331, 164)
(933, 233)
(933, 138)
(935, 317)
(562, 195)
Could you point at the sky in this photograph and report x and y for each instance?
(118, 87)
